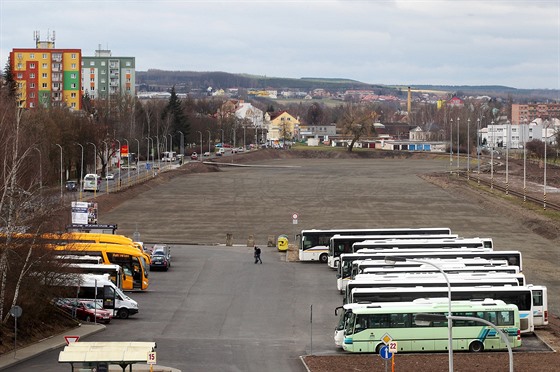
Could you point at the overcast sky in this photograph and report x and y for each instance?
(514, 43)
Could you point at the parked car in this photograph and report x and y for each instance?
(86, 310)
(161, 257)
(194, 156)
(159, 262)
(72, 185)
(109, 176)
(207, 153)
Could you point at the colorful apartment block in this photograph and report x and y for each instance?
(47, 76)
(105, 74)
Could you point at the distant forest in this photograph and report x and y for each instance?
(193, 81)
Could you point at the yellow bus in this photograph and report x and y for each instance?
(134, 266)
(78, 237)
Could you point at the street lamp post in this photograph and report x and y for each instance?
(244, 137)
(468, 148)
(492, 159)
(422, 317)
(458, 147)
(147, 155)
(60, 169)
(209, 134)
(199, 132)
(170, 143)
(507, 156)
(450, 145)
(94, 166)
(120, 165)
(158, 155)
(107, 166)
(81, 170)
(478, 150)
(182, 143)
(391, 261)
(137, 166)
(544, 176)
(222, 137)
(525, 161)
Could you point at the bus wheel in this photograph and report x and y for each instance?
(476, 346)
(122, 313)
(378, 348)
(324, 258)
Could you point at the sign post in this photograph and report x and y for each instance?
(151, 360)
(16, 312)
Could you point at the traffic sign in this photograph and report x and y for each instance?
(386, 338)
(393, 347)
(294, 216)
(151, 357)
(16, 311)
(384, 353)
(70, 339)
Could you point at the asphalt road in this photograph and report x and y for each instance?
(216, 310)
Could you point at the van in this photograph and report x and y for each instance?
(100, 288)
(221, 151)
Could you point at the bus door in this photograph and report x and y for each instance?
(137, 275)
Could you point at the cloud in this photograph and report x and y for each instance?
(430, 41)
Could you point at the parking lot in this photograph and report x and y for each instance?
(216, 310)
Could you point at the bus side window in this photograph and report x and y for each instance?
(537, 298)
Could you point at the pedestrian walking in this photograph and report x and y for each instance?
(257, 255)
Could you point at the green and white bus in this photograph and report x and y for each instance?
(366, 326)
(531, 300)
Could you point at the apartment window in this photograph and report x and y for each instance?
(102, 63)
(72, 76)
(32, 65)
(31, 104)
(44, 85)
(73, 55)
(73, 85)
(20, 56)
(20, 75)
(92, 63)
(32, 95)
(44, 75)
(73, 66)
(20, 85)
(73, 95)
(128, 72)
(103, 89)
(103, 81)
(19, 66)
(32, 85)
(44, 55)
(45, 65)
(55, 85)
(103, 72)
(73, 104)
(32, 75)
(32, 56)
(92, 80)
(128, 63)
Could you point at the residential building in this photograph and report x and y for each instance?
(249, 113)
(321, 132)
(281, 126)
(526, 113)
(104, 74)
(47, 76)
(515, 136)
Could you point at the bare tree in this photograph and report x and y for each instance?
(356, 122)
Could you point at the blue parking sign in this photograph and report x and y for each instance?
(384, 352)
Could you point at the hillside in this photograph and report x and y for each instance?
(199, 81)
